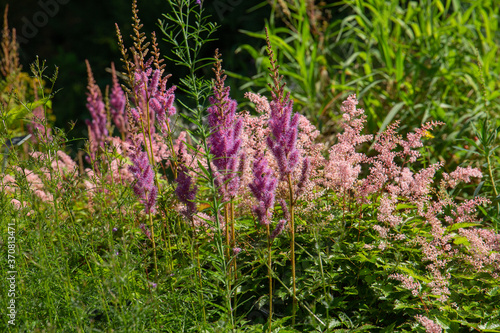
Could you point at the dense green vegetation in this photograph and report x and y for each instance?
(198, 205)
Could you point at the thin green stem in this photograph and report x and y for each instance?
(153, 240)
(292, 248)
(270, 276)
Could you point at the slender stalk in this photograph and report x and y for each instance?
(198, 268)
(228, 236)
(493, 185)
(270, 276)
(153, 239)
(292, 248)
(233, 237)
(490, 173)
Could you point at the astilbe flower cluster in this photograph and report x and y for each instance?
(97, 126)
(144, 175)
(407, 282)
(263, 187)
(186, 187)
(255, 129)
(153, 100)
(344, 164)
(224, 139)
(117, 104)
(430, 326)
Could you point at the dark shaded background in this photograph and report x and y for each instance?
(66, 32)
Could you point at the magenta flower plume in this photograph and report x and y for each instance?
(283, 139)
(150, 87)
(224, 140)
(97, 128)
(143, 173)
(186, 191)
(263, 188)
(117, 102)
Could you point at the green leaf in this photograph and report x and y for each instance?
(457, 226)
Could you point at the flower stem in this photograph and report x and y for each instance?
(292, 248)
(270, 276)
(153, 239)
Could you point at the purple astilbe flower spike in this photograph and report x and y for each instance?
(117, 102)
(225, 132)
(144, 187)
(263, 188)
(283, 140)
(282, 223)
(97, 127)
(306, 167)
(145, 230)
(150, 88)
(279, 229)
(283, 123)
(186, 191)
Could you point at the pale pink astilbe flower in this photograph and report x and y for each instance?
(343, 167)
(261, 103)
(483, 247)
(393, 151)
(65, 164)
(461, 175)
(62, 166)
(8, 184)
(382, 231)
(386, 209)
(430, 326)
(466, 210)
(98, 125)
(414, 140)
(407, 282)
(439, 283)
(36, 184)
(439, 252)
(414, 187)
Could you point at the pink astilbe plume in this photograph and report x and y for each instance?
(186, 191)
(153, 101)
(343, 167)
(484, 248)
(461, 175)
(224, 139)
(263, 187)
(307, 179)
(38, 126)
(117, 103)
(430, 326)
(144, 187)
(284, 130)
(97, 126)
(186, 187)
(407, 282)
